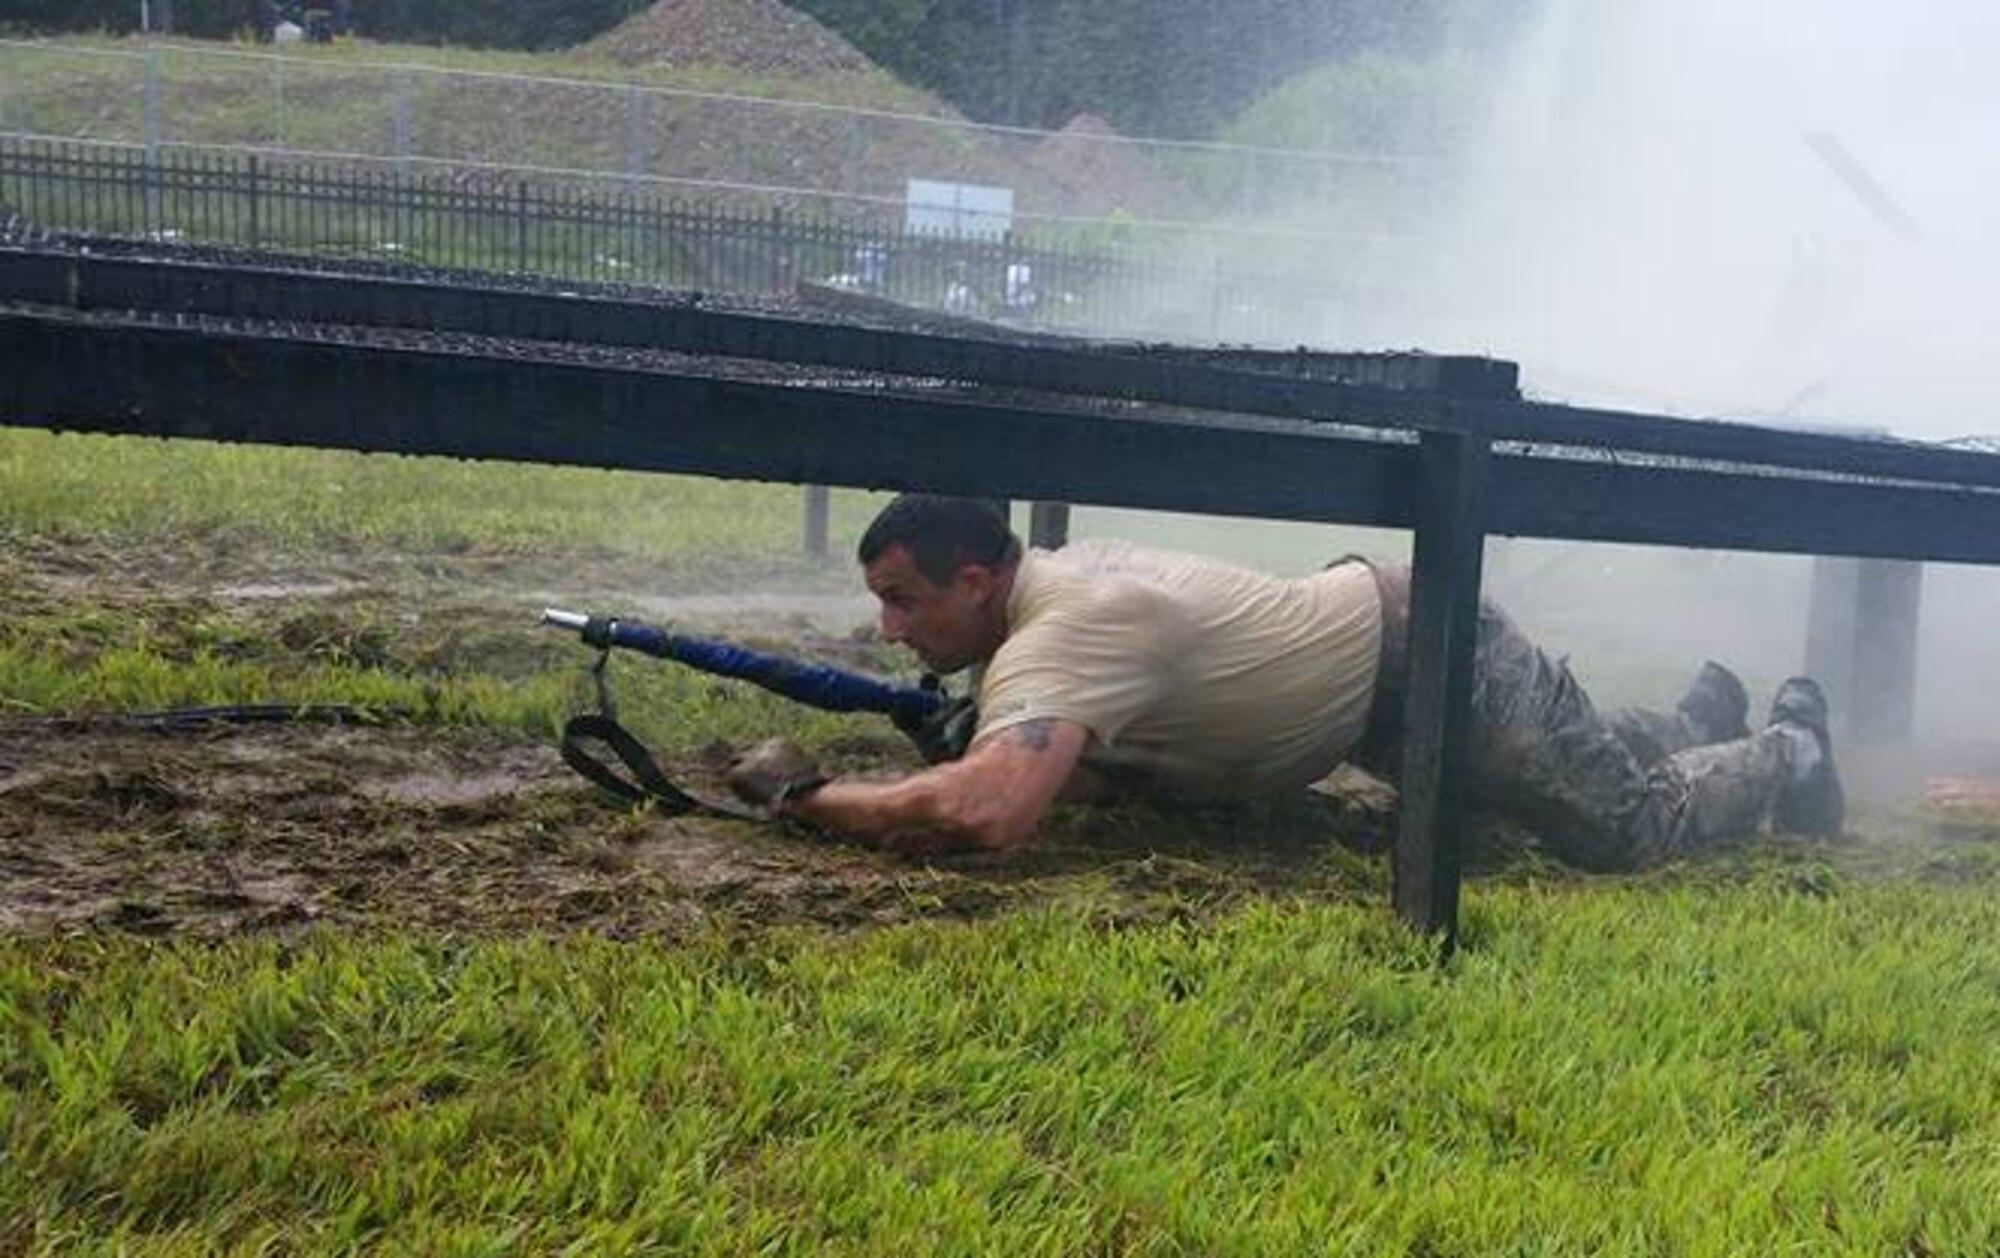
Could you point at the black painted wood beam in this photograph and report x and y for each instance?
(1042, 363)
(1398, 383)
(163, 381)
(170, 382)
(1437, 717)
(1596, 501)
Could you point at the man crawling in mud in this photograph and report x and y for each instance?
(1106, 669)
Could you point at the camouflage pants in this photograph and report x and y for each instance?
(1541, 753)
(1605, 791)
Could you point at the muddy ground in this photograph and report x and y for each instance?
(111, 825)
(266, 827)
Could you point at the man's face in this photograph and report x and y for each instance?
(950, 626)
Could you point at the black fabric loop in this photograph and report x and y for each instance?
(642, 778)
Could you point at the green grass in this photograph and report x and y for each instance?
(140, 677)
(561, 109)
(674, 709)
(1687, 1069)
(328, 96)
(1758, 1052)
(78, 486)
(144, 521)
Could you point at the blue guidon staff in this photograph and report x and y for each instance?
(941, 726)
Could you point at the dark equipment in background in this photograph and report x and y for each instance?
(319, 23)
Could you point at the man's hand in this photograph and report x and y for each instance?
(945, 734)
(991, 800)
(772, 774)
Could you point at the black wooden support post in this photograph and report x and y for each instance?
(1444, 624)
(818, 504)
(1048, 525)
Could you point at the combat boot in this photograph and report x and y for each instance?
(1811, 801)
(1713, 710)
(1716, 706)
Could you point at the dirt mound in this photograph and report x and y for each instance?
(757, 35)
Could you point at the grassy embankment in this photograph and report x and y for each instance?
(1778, 1050)
(337, 98)
(570, 111)
(1080, 198)
(573, 117)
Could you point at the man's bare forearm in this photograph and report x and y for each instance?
(876, 810)
(994, 798)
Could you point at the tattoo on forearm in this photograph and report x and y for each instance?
(1034, 735)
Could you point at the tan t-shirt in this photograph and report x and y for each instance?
(1199, 677)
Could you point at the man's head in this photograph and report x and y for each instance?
(943, 568)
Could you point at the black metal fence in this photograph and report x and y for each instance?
(1097, 277)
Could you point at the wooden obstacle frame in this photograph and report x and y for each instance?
(290, 353)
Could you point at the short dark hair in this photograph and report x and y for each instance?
(942, 534)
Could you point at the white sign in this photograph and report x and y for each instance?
(958, 209)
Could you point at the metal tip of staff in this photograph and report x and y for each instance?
(563, 619)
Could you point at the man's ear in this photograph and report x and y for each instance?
(979, 581)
